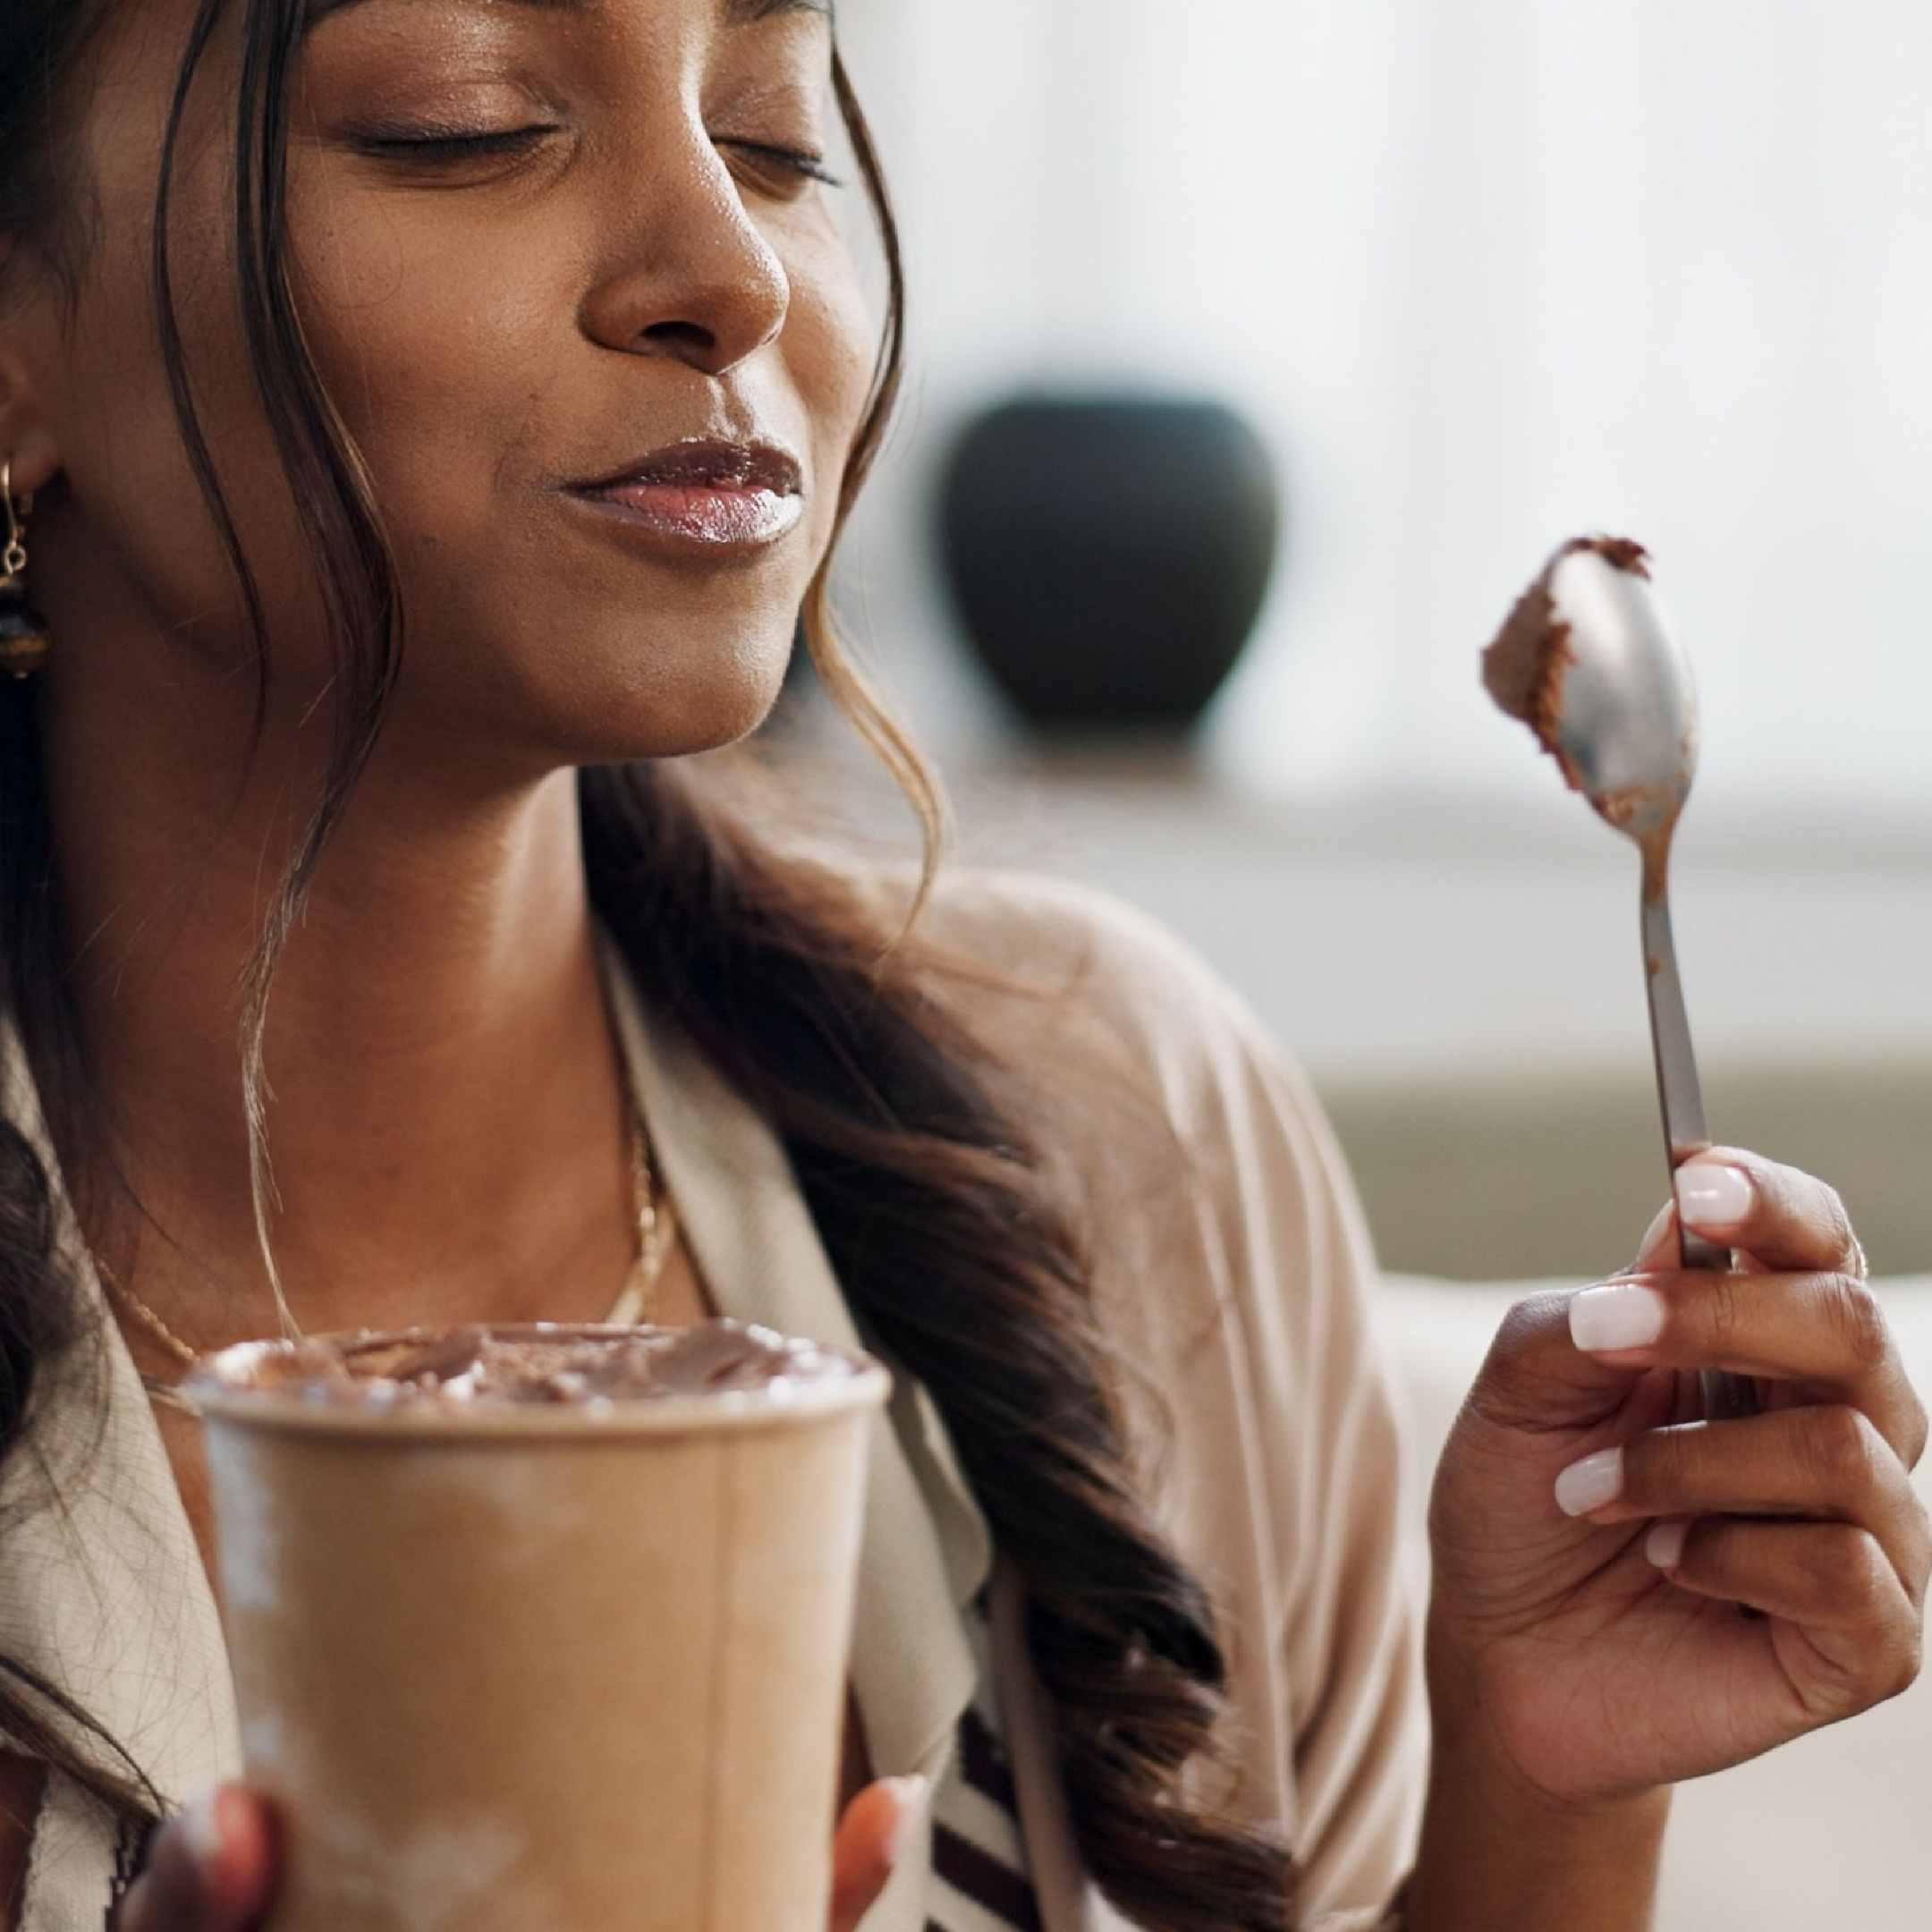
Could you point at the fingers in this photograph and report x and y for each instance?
(1859, 1620)
(1536, 1382)
(1829, 1463)
(872, 1837)
(1828, 1333)
(1784, 1219)
(211, 1869)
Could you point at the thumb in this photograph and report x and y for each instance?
(209, 1869)
(1538, 1378)
(872, 1837)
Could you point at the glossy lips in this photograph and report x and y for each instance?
(716, 498)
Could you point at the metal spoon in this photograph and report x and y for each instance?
(1589, 662)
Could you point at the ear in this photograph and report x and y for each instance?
(28, 438)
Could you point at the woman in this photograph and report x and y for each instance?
(524, 327)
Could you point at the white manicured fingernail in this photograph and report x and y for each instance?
(1622, 1315)
(1664, 1544)
(1591, 1484)
(202, 1829)
(912, 1793)
(1712, 1199)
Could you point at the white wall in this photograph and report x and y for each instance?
(1489, 271)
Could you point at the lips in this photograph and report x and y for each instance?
(704, 465)
(716, 498)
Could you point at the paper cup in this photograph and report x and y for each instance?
(515, 1667)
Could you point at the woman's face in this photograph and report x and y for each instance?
(535, 241)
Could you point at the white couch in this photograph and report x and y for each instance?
(1834, 1831)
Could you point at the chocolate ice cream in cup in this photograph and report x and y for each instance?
(542, 1625)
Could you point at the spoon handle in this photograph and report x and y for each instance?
(1726, 1397)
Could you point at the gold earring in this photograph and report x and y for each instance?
(23, 635)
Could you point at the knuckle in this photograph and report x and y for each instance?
(1836, 1221)
(1893, 1660)
(1907, 1660)
(1873, 1577)
(1534, 1316)
(1918, 1564)
(1912, 1425)
(1826, 1559)
(1840, 1448)
(1858, 1317)
(1510, 1386)
(1528, 1325)
(1857, 1572)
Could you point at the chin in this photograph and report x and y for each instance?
(603, 693)
(702, 707)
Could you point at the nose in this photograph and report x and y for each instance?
(689, 275)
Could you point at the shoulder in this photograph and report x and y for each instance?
(1057, 926)
(1103, 978)
(1091, 967)
(1196, 1138)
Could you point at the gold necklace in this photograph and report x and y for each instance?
(656, 1229)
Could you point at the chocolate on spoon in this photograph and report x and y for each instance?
(1587, 660)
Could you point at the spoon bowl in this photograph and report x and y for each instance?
(1623, 704)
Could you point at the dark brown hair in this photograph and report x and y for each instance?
(963, 1264)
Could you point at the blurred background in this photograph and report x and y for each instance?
(1354, 310)
(1262, 351)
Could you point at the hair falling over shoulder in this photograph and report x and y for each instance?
(963, 1262)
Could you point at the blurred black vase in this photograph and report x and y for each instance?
(1109, 555)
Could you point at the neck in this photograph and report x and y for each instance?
(447, 1130)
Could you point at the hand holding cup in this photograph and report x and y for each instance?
(213, 1869)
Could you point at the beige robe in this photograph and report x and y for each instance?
(1240, 1275)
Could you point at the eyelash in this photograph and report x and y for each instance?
(453, 146)
(796, 159)
(461, 147)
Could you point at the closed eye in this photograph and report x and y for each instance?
(457, 144)
(798, 161)
(451, 144)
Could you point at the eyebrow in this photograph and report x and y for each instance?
(736, 12)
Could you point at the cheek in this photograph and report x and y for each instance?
(434, 349)
(450, 356)
(832, 342)
(122, 444)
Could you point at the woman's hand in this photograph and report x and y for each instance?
(213, 1869)
(1593, 1542)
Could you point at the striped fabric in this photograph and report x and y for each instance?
(980, 1880)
